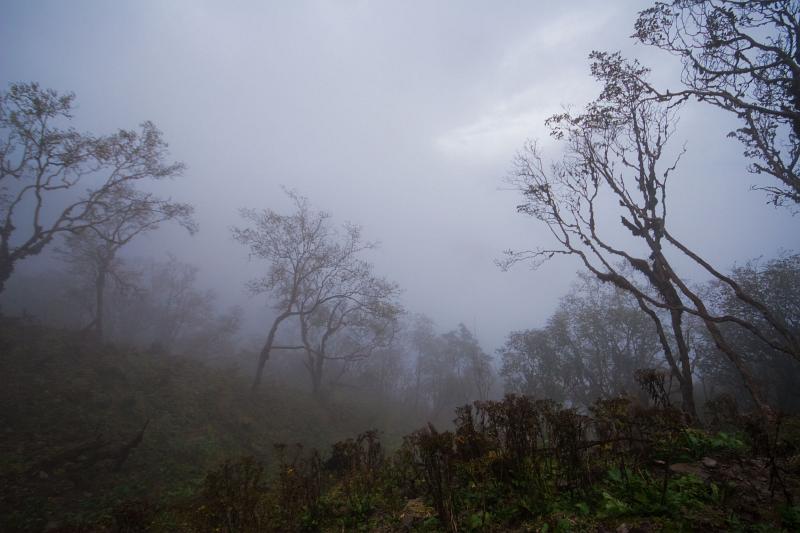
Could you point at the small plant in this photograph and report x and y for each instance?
(298, 489)
(133, 516)
(435, 454)
(790, 517)
(698, 443)
(232, 498)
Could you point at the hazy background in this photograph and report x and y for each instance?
(402, 117)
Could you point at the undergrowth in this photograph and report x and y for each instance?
(205, 460)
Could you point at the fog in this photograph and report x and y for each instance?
(399, 117)
(502, 266)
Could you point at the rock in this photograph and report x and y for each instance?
(708, 462)
(52, 525)
(414, 511)
(43, 474)
(686, 468)
(623, 528)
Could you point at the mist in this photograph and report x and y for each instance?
(409, 137)
(411, 122)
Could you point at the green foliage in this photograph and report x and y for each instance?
(641, 493)
(232, 498)
(790, 517)
(698, 443)
(206, 462)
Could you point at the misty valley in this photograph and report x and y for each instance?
(400, 267)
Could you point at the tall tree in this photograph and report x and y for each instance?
(44, 163)
(615, 150)
(450, 369)
(95, 247)
(316, 278)
(349, 328)
(614, 147)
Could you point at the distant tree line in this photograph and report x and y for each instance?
(593, 345)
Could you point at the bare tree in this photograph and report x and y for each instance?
(614, 152)
(43, 161)
(95, 247)
(315, 276)
(351, 327)
(742, 56)
(614, 147)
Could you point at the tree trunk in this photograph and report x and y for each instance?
(660, 277)
(750, 382)
(100, 289)
(686, 382)
(681, 369)
(316, 376)
(265, 351)
(6, 268)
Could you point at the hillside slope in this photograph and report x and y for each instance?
(87, 425)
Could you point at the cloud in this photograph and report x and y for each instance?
(506, 124)
(538, 74)
(490, 136)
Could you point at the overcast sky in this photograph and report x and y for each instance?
(400, 116)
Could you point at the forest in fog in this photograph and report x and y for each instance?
(400, 267)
